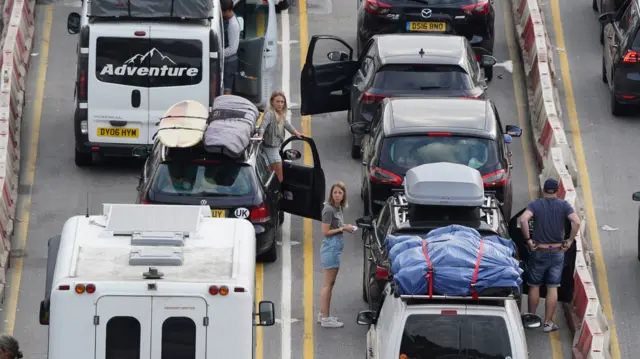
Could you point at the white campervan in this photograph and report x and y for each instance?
(133, 66)
(151, 282)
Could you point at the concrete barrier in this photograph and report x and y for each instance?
(556, 160)
(17, 38)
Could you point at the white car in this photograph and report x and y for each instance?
(416, 327)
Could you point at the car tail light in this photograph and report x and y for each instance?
(64, 287)
(495, 179)
(382, 273)
(376, 7)
(215, 290)
(82, 288)
(378, 175)
(439, 134)
(368, 98)
(145, 202)
(479, 8)
(259, 214)
(449, 312)
(478, 57)
(82, 85)
(472, 96)
(631, 57)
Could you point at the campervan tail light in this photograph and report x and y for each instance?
(82, 288)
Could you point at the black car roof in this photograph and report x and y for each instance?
(405, 48)
(462, 116)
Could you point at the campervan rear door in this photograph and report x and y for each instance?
(177, 55)
(118, 85)
(179, 327)
(123, 327)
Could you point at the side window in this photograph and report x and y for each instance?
(365, 69)
(253, 19)
(123, 338)
(473, 63)
(625, 22)
(178, 338)
(499, 133)
(384, 220)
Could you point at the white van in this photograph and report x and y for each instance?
(131, 69)
(151, 282)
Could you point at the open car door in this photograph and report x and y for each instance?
(303, 187)
(327, 76)
(565, 292)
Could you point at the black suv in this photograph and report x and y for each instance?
(621, 56)
(390, 66)
(408, 132)
(473, 19)
(237, 188)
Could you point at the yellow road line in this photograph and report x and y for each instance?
(601, 269)
(307, 231)
(30, 171)
(519, 91)
(259, 296)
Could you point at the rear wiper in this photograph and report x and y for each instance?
(431, 87)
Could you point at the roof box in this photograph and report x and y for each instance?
(182, 9)
(444, 184)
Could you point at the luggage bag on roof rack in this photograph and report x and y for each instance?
(231, 125)
(186, 9)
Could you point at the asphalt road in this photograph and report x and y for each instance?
(606, 140)
(57, 190)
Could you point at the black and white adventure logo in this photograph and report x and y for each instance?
(138, 65)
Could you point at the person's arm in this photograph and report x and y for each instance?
(233, 34)
(327, 217)
(524, 226)
(575, 223)
(292, 130)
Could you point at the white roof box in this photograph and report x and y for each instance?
(444, 184)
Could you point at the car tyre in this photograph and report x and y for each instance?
(488, 74)
(617, 109)
(594, 5)
(365, 262)
(270, 255)
(83, 159)
(639, 239)
(355, 149)
(604, 72)
(601, 34)
(280, 217)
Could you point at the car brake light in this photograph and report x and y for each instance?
(376, 7)
(82, 85)
(478, 57)
(451, 312)
(630, 57)
(215, 290)
(378, 175)
(368, 98)
(472, 96)
(495, 179)
(144, 202)
(382, 273)
(439, 134)
(64, 287)
(81, 288)
(259, 214)
(479, 8)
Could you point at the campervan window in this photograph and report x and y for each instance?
(178, 338)
(254, 18)
(123, 338)
(149, 63)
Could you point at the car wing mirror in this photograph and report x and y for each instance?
(266, 313)
(366, 317)
(531, 321)
(292, 154)
(606, 18)
(140, 152)
(513, 131)
(636, 196)
(365, 222)
(73, 23)
(338, 56)
(488, 61)
(360, 128)
(507, 138)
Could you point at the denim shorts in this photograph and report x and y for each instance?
(331, 250)
(230, 70)
(272, 154)
(545, 267)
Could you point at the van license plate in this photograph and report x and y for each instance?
(118, 132)
(218, 213)
(427, 26)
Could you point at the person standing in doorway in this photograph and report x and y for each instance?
(231, 41)
(332, 229)
(547, 247)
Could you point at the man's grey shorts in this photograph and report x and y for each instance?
(230, 71)
(545, 267)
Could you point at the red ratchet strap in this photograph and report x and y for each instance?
(474, 294)
(429, 274)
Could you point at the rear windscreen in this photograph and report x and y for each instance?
(432, 336)
(422, 77)
(204, 179)
(149, 62)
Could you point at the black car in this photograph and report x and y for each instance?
(390, 66)
(603, 7)
(621, 56)
(407, 132)
(236, 188)
(473, 19)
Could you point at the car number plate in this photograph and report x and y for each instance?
(218, 213)
(118, 132)
(427, 26)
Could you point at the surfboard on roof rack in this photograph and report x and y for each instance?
(232, 123)
(183, 124)
(178, 9)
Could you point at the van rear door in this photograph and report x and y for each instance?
(118, 95)
(179, 327)
(176, 70)
(123, 327)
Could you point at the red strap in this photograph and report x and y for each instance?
(429, 274)
(474, 294)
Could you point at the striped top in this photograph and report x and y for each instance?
(273, 135)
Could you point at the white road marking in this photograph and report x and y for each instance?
(289, 322)
(285, 300)
(293, 243)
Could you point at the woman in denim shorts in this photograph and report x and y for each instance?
(332, 228)
(274, 122)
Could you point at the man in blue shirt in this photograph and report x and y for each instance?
(547, 247)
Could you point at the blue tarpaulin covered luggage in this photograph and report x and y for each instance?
(449, 260)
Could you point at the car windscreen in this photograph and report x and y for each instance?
(422, 77)
(204, 179)
(148, 63)
(435, 336)
(399, 154)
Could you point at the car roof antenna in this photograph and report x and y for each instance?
(421, 53)
(87, 215)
